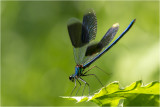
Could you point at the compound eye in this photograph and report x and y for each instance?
(71, 78)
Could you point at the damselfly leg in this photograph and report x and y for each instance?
(84, 85)
(95, 77)
(74, 87)
(79, 86)
(98, 68)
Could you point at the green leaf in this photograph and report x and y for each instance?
(135, 94)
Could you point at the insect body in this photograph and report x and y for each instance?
(85, 51)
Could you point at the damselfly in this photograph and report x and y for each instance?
(86, 51)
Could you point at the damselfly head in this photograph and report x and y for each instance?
(71, 77)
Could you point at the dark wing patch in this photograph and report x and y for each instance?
(75, 28)
(107, 38)
(90, 23)
(93, 49)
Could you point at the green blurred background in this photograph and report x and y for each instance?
(37, 55)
